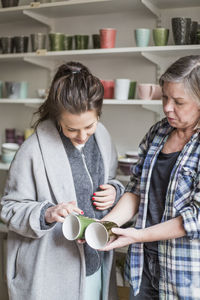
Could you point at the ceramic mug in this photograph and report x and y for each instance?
(98, 234)
(149, 91)
(132, 90)
(96, 41)
(160, 36)
(23, 90)
(107, 37)
(68, 42)
(108, 88)
(38, 41)
(56, 41)
(142, 37)
(121, 90)
(74, 226)
(12, 89)
(7, 45)
(20, 44)
(181, 28)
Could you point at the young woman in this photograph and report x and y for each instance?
(67, 165)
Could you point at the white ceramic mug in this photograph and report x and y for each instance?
(121, 89)
(98, 234)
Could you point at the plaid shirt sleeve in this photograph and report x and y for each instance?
(191, 213)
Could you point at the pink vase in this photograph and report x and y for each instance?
(107, 37)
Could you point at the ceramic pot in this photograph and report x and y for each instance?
(142, 37)
(132, 90)
(20, 44)
(7, 45)
(56, 41)
(68, 42)
(38, 41)
(160, 36)
(193, 32)
(9, 3)
(181, 30)
(108, 37)
(96, 41)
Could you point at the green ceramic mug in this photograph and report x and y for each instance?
(160, 36)
(68, 42)
(56, 41)
(132, 90)
(74, 226)
(98, 234)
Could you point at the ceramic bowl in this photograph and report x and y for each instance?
(9, 148)
(125, 165)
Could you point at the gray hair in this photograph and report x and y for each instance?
(185, 70)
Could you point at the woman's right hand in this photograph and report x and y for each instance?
(58, 212)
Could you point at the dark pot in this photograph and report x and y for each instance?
(7, 44)
(9, 3)
(96, 41)
(20, 44)
(193, 32)
(181, 28)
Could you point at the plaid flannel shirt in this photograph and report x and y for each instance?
(179, 258)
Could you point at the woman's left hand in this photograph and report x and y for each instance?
(124, 237)
(104, 199)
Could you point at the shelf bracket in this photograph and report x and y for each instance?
(42, 19)
(161, 62)
(157, 109)
(50, 65)
(32, 105)
(156, 11)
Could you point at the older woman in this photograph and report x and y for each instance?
(164, 255)
(67, 165)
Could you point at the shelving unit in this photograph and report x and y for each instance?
(49, 17)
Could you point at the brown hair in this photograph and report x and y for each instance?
(74, 89)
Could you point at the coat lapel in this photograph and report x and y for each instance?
(56, 162)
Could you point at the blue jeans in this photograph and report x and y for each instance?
(149, 288)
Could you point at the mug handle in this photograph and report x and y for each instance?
(153, 87)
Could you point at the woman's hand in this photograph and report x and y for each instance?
(104, 199)
(58, 212)
(124, 237)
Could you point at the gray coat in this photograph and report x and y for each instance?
(42, 264)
